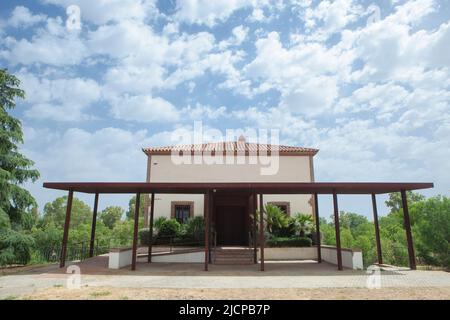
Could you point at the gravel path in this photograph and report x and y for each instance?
(292, 276)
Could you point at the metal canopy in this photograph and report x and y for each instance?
(258, 187)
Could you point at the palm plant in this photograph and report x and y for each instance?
(273, 217)
(303, 223)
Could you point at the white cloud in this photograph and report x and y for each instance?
(207, 12)
(104, 11)
(202, 112)
(60, 99)
(143, 108)
(54, 45)
(22, 17)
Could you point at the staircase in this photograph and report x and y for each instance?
(233, 255)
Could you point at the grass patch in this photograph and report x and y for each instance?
(100, 294)
(10, 298)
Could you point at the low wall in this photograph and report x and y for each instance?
(187, 257)
(351, 258)
(290, 253)
(119, 258)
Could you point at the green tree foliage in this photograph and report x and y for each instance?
(274, 217)
(432, 230)
(110, 215)
(55, 212)
(195, 228)
(303, 223)
(15, 169)
(132, 206)
(394, 203)
(169, 228)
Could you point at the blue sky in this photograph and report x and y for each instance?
(366, 82)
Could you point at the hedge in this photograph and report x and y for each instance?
(289, 242)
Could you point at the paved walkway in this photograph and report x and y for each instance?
(305, 274)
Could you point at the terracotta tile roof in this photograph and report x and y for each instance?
(232, 146)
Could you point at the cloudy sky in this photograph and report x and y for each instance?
(366, 82)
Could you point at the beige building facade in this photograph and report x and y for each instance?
(289, 164)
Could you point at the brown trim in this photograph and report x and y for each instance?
(235, 153)
(261, 231)
(150, 228)
(93, 226)
(206, 214)
(135, 231)
(377, 229)
(181, 203)
(282, 203)
(62, 260)
(338, 232)
(407, 225)
(317, 221)
(259, 187)
(146, 196)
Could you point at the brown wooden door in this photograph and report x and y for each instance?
(230, 225)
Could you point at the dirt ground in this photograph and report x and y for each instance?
(110, 293)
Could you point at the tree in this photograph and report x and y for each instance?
(55, 212)
(132, 205)
(15, 170)
(274, 217)
(395, 200)
(110, 215)
(352, 221)
(432, 230)
(303, 223)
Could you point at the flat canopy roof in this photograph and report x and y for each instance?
(258, 187)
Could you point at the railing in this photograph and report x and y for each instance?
(74, 252)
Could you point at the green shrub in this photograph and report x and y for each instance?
(289, 242)
(194, 228)
(15, 247)
(169, 228)
(158, 222)
(285, 231)
(144, 236)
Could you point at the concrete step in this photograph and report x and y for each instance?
(233, 255)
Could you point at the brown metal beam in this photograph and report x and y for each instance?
(255, 227)
(261, 230)
(316, 212)
(94, 224)
(62, 260)
(377, 229)
(150, 228)
(206, 218)
(409, 239)
(135, 230)
(258, 187)
(338, 232)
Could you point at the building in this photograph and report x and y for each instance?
(226, 183)
(230, 216)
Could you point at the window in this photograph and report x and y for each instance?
(182, 213)
(182, 210)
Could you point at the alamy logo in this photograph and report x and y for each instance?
(247, 147)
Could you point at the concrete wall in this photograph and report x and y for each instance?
(296, 253)
(119, 258)
(350, 258)
(188, 257)
(291, 169)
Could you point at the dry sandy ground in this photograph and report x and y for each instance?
(109, 293)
